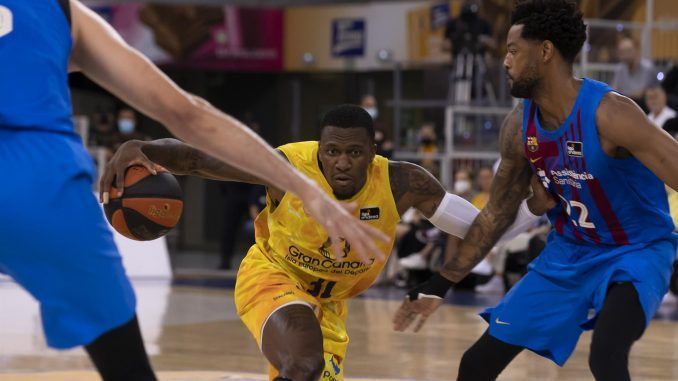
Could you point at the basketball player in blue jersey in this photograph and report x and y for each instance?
(54, 240)
(611, 248)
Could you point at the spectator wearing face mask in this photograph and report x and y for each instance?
(384, 145)
(127, 126)
(463, 184)
(369, 103)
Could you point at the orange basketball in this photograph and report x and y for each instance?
(150, 205)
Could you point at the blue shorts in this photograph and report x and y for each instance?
(548, 309)
(54, 240)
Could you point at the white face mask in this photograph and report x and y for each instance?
(462, 186)
(126, 126)
(373, 111)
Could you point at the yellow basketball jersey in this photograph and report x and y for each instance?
(673, 205)
(300, 245)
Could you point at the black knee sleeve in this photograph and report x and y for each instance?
(119, 354)
(486, 359)
(621, 322)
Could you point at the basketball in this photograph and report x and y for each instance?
(150, 206)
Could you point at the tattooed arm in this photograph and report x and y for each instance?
(180, 159)
(413, 186)
(509, 187)
(183, 159)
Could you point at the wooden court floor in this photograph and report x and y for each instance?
(193, 333)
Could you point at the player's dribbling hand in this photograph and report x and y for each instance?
(541, 201)
(340, 223)
(129, 154)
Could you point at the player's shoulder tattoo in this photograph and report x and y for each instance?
(408, 178)
(511, 133)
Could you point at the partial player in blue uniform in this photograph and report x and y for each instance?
(54, 240)
(612, 244)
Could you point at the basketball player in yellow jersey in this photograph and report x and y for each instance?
(291, 290)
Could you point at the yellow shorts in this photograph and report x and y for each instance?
(263, 287)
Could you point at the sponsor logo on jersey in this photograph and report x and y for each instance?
(325, 265)
(326, 249)
(544, 179)
(575, 149)
(369, 214)
(332, 374)
(570, 177)
(532, 143)
(335, 367)
(572, 174)
(328, 376)
(6, 21)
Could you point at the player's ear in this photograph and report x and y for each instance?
(548, 50)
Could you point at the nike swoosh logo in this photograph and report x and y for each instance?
(535, 160)
(501, 322)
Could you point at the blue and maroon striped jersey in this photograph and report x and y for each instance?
(603, 200)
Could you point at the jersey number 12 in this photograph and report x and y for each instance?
(583, 213)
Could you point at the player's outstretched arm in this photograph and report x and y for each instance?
(623, 123)
(509, 187)
(174, 156)
(105, 58)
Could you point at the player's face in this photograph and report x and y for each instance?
(345, 154)
(521, 64)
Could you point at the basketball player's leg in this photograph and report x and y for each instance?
(626, 299)
(57, 245)
(280, 316)
(538, 314)
(292, 341)
(486, 359)
(302, 337)
(120, 355)
(620, 323)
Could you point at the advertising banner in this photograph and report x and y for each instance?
(206, 37)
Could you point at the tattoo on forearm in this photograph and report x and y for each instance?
(192, 160)
(510, 186)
